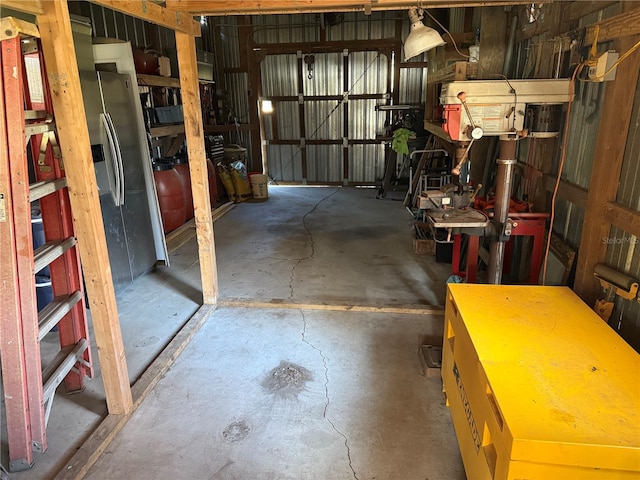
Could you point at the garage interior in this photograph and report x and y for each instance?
(426, 218)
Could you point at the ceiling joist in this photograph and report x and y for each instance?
(244, 7)
(175, 19)
(33, 7)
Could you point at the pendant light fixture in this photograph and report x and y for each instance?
(421, 38)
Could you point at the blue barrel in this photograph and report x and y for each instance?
(44, 292)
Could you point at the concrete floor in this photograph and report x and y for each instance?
(274, 393)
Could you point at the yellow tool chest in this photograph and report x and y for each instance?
(539, 387)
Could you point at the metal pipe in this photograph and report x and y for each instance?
(508, 56)
(506, 162)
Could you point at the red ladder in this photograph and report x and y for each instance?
(28, 123)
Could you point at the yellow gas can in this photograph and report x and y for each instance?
(539, 387)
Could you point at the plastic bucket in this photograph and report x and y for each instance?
(37, 233)
(44, 292)
(259, 186)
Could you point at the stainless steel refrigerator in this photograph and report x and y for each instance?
(115, 143)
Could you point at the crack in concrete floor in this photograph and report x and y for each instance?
(326, 393)
(311, 240)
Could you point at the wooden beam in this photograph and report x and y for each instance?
(64, 82)
(167, 130)
(622, 217)
(620, 26)
(157, 81)
(190, 89)
(325, 47)
(172, 19)
(577, 10)
(243, 127)
(243, 7)
(605, 175)
(286, 304)
(33, 7)
(567, 191)
(91, 450)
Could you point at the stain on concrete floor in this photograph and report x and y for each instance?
(287, 379)
(236, 432)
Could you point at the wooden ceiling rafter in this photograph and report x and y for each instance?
(247, 7)
(177, 20)
(32, 7)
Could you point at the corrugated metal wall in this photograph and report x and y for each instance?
(623, 251)
(285, 28)
(326, 76)
(368, 72)
(285, 162)
(280, 75)
(355, 26)
(583, 134)
(413, 86)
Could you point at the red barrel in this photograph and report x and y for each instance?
(181, 166)
(170, 195)
(213, 186)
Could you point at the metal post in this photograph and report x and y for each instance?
(506, 161)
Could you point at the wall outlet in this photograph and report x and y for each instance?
(604, 63)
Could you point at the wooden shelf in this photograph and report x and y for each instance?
(157, 81)
(243, 127)
(455, 71)
(167, 130)
(437, 130)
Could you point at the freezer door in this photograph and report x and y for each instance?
(103, 160)
(116, 243)
(117, 98)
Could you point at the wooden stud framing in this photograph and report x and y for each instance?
(623, 217)
(33, 7)
(605, 176)
(623, 25)
(187, 64)
(149, 11)
(285, 304)
(64, 81)
(567, 191)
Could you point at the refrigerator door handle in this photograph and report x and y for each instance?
(119, 158)
(115, 193)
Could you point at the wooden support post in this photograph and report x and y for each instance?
(64, 81)
(258, 145)
(605, 176)
(187, 64)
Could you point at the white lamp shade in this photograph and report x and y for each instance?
(420, 40)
